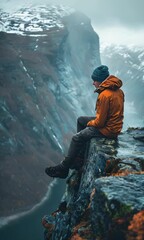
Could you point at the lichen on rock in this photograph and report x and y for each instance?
(105, 199)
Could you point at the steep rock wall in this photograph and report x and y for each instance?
(44, 85)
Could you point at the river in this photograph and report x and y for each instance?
(27, 226)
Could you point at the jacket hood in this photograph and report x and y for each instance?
(111, 82)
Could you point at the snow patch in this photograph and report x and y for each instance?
(34, 19)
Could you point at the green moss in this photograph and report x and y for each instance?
(122, 211)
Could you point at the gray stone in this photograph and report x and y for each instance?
(102, 200)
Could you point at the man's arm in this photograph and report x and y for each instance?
(101, 113)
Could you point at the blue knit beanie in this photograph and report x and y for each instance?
(100, 73)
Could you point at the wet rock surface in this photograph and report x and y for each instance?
(104, 200)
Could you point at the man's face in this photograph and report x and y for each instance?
(96, 84)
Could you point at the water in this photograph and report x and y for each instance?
(28, 225)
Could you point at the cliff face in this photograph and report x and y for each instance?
(104, 199)
(47, 56)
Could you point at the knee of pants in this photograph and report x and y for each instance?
(80, 119)
(77, 137)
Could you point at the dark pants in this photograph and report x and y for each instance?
(79, 140)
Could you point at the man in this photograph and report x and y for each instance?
(107, 123)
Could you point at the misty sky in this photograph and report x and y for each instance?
(114, 20)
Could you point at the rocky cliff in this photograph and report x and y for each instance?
(47, 55)
(104, 199)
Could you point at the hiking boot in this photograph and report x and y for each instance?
(77, 164)
(59, 171)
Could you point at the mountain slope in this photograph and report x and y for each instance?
(128, 63)
(45, 69)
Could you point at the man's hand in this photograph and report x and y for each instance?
(91, 123)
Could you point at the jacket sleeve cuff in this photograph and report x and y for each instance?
(91, 123)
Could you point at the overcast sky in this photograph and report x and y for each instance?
(114, 20)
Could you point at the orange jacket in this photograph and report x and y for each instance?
(109, 107)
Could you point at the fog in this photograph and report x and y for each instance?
(128, 13)
(120, 22)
